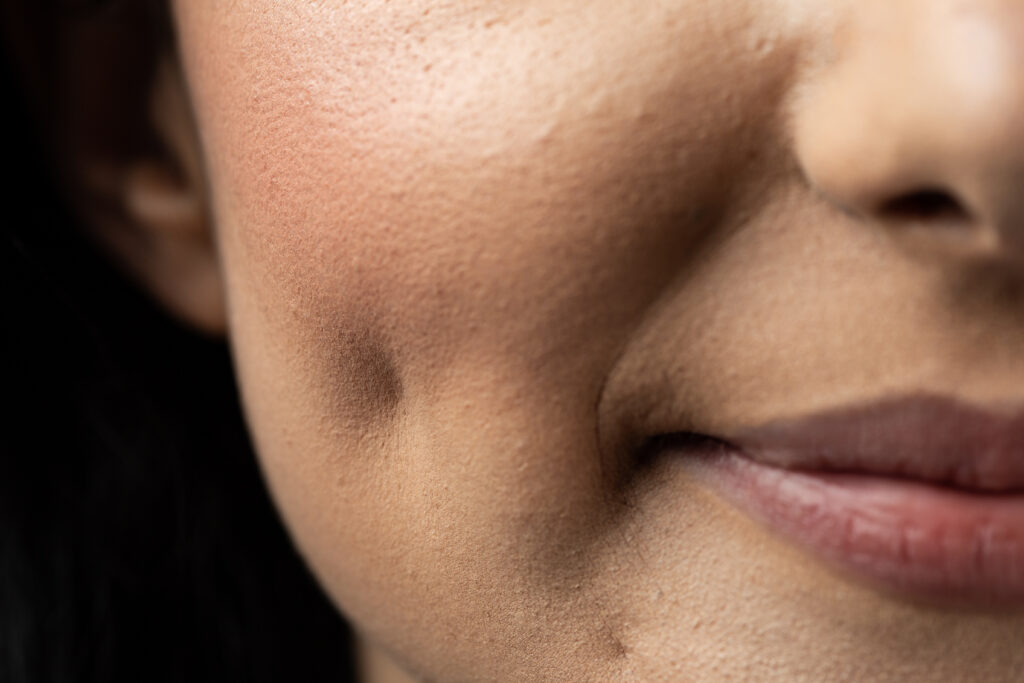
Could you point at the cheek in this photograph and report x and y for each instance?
(446, 179)
(432, 225)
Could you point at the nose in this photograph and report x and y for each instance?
(914, 118)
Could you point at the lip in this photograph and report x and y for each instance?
(920, 496)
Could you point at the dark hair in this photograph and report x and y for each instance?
(137, 540)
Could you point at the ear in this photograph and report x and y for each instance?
(150, 208)
(127, 151)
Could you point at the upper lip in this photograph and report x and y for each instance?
(926, 437)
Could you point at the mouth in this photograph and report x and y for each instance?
(919, 496)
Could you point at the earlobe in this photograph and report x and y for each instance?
(173, 253)
(160, 229)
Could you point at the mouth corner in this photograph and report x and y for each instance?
(921, 497)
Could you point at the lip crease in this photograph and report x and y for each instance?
(926, 437)
(922, 496)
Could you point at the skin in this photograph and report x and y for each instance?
(474, 254)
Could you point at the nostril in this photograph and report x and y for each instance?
(933, 206)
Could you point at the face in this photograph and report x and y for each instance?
(477, 255)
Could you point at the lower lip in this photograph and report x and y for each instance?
(917, 540)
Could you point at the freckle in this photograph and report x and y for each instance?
(427, 67)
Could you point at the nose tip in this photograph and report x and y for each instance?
(917, 122)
